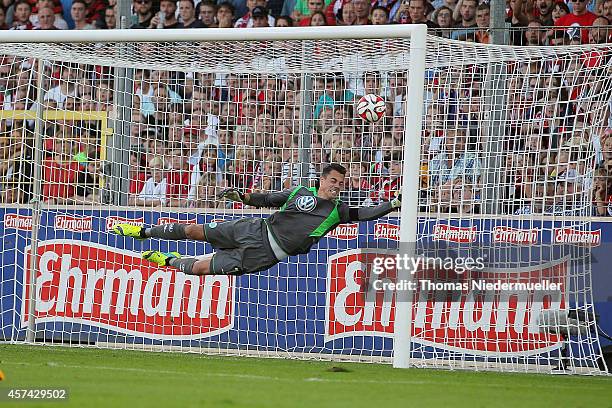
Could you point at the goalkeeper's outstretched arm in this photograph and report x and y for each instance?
(371, 213)
(270, 200)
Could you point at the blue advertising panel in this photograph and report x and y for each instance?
(93, 287)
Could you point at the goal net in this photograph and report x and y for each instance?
(148, 132)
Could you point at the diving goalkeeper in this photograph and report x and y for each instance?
(250, 245)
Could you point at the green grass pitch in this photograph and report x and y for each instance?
(119, 378)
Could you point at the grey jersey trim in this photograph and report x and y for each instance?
(278, 251)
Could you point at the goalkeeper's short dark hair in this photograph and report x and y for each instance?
(331, 167)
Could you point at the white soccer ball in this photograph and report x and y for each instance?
(371, 108)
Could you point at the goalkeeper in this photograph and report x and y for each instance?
(255, 244)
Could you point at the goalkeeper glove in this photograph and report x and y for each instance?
(397, 201)
(232, 194)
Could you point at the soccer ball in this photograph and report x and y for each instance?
(371, 108)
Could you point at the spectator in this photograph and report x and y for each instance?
(246, 21)
(602, 193)
(87, 182)
(284, 21)
(153, 193)
(454, 162)
(207, 13)
(397, 92)
(579, 17)
(206, 192)
(362, 12)
(225, 150)
(7, 146)
(317, 19)
(517, 20)
(3, 25)
(462, 198)
(21, 16)
(560, 9)
(161, 100)
(417, 10)
(335, 93)
(371, 83)
(599, 33)
(59, 22)
(606, 10)
(347, 13)
(260, 18)
(188, 15)
(225, 15)
(313, 6)
(443, 16)
(483, 21)
(271, 180)
(239, 6)
(291, 169)
(545, 11)
(66, 85)
(305, 8)
(442, 198)
(357, 191)
(94, 10)
(78, 11)
(388, 186)
(242, 172)
(110, 19)
(379, 15)
(391, 7)
(17, 170)
(136, 126)
(536, 198)
(166, 17)
(402, 16)
(465, 14)
(177, 177)
(144, 12)
(60, 172)
(136, 173)
(46, 19)
(208, 164)
(104, 96)
(569, 198)
(534, 34)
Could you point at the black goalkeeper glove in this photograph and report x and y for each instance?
(232, 194)
(397, 201)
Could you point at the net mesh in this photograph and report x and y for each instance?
(514, 162)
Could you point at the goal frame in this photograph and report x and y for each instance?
(412, 120)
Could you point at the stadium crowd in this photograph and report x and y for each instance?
(192, 134)
(530, 20)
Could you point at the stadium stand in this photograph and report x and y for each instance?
(194, 134)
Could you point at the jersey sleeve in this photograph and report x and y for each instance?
(345, 213)
(271, 200)
(349, 214)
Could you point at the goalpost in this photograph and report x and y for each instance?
(497, 147)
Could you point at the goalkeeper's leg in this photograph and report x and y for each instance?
(224, 262)
(189, 266)
(174, 231)
(255, 255)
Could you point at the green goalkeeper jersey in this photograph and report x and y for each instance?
(304, 218)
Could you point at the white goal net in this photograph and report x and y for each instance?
(149, 132)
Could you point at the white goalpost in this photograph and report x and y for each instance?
(495, 149)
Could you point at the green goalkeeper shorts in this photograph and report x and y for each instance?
(242, 246)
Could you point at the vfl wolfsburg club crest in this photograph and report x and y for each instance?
(306, 203)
